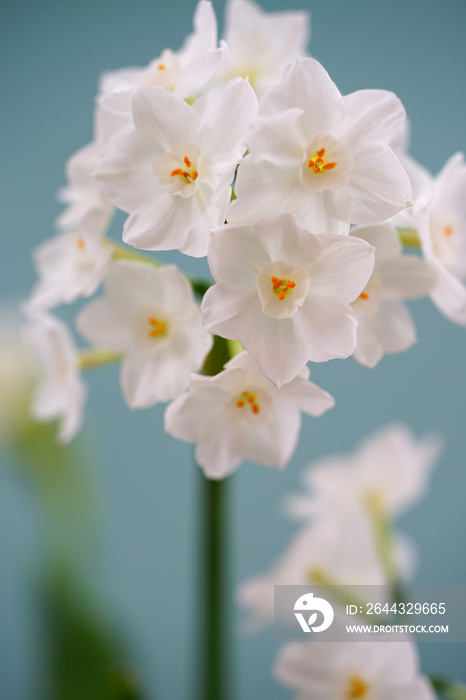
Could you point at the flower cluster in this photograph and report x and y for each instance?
(348, 499)
(242, 150)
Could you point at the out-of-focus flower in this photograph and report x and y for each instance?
(173, 172)
(60, 393)
(334, 551)
(183, 72)
(259, 45)
(239, 414)
(285, 292)
(441, 224)
(353, 671)
(69, 266)
(322, 156)
(89, 211)
(148, 314)
(385, 324)
(391, 470)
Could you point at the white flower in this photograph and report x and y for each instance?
(259, 45)
(89, 210)
(238, 415)
(69, 266)
(285, 292)
(441, 225)
(390, 469)
(322, 156)
(173, 172)
(385, 324)
(334, 551)
(185, 72)
(61, 394)
(349, 671)
(150, 316)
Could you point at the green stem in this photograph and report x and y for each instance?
(90, 359)
(448, 689)
(216, 676)
(409, 237)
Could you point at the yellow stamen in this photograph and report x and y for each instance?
(80, 244)
(357, 689)
(157, 327)
(317, 163)
(448, 230)
(250, 398)
(282, 287)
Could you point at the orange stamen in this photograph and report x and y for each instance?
(240, 403)
(448, 230)
(364, 295)
(329, 166)
(187, 161)
(357, 688)
(255, 409)
(321, 153)
(282, 286)
(317, 163)
(80, 244)
(161, 66)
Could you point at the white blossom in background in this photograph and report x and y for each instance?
(238, 414)
(385, 324)
(173, 172)
(353, 671)
(60, 393)
(259, 45)
(285, 292)
(69, 266)
(183, 73)
(440, 221)
(390, 469)
(322, 156)
(336, 551)
(89, 211)
(149, 315)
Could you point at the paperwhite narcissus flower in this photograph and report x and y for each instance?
(390, 470)
(89, 210)
(173, 173)
(340, 551)
(441, 225)
(322, 156)
(61, 393)
(259, 44)
(150, 316)
(353, 671)
(285, 292)
(183, 72)
(385, 324)
(239, 414)
(69, 265)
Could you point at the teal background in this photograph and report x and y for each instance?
(51, 56)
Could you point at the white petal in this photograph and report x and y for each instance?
(326, 328)
(373, 115)
(102, 325)
(163, 118)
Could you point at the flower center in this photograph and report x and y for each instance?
(282, 287)
(80, 244)
(357, 688)
(189, 173)
(156, 327)
(248, 399)
(318, 164)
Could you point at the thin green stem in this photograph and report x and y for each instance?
(409, 238)
(90, 359)
(216, 676)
